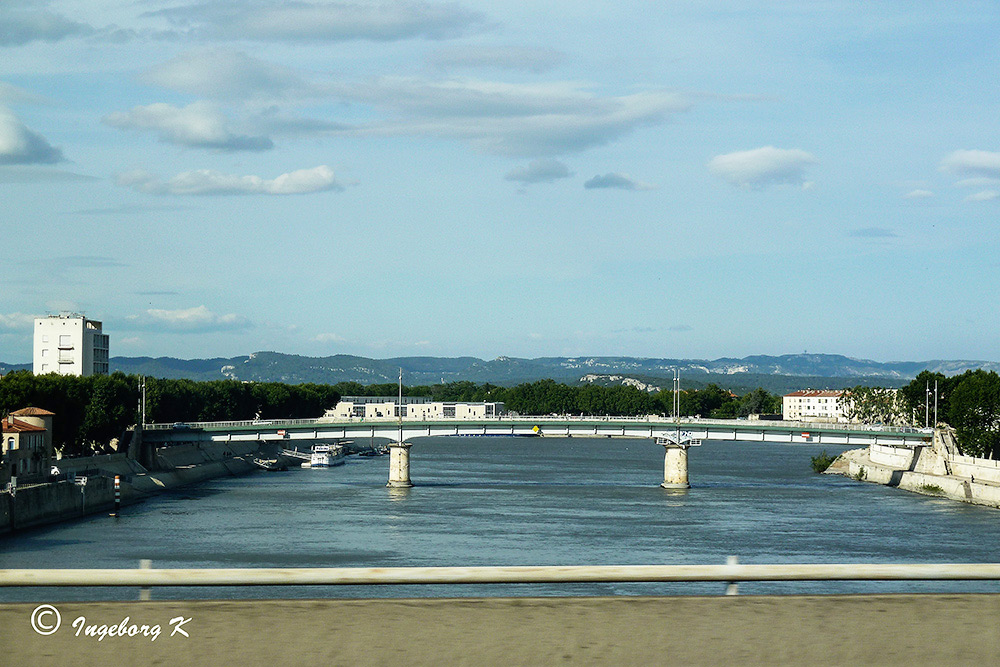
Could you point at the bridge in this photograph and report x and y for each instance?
(675, 435)
(648, 427)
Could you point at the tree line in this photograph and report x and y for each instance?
(969, 402)
(91, 411)
(544, 397)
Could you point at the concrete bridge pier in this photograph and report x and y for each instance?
(675, 464)
(399, 465)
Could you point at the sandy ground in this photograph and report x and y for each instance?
(774, 630)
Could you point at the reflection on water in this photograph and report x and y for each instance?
(538, 501)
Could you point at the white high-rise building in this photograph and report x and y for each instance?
(70, 344)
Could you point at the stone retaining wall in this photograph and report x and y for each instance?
(861, 467)
(190, 464)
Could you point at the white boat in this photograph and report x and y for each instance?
(326, 456)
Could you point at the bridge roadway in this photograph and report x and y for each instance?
(690, 430)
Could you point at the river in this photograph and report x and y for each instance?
(523, 501)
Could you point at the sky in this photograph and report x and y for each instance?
(670, 179)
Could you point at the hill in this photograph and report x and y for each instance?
(775, 373)
(778, 374)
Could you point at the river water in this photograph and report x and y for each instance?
(523, 501)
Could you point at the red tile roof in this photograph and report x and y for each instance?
(11, 425)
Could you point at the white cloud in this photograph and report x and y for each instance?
(531, 120)
(198, 125)
(616, 181)
(323, 21)
(19, 145)
(984, 195)
(761, 167)
(208, 182)
(226, 74)
(539, 171)
(17, 321)
(972, 163)
(499, 57)
(515, 119)
(918, 194)
(22, 26)
(197, 319)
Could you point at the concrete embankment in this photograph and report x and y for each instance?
(171, 467)
(906, 630)
(935, 470)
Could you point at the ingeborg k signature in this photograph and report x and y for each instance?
(46, 620)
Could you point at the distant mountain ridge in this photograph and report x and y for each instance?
(295, 369)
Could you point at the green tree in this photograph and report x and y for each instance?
(759, 402)
(876, 405)
(918, 396)
(974, 411)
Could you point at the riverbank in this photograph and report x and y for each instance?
(86, 484)
(935, 470)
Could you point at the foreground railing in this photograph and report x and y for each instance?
(731, 573)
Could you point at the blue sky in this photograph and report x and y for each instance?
(696, 179)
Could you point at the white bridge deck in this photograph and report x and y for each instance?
(651, 427)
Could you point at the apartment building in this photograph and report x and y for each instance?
(819, 405)
(70, 344)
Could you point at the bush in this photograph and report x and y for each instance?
(822, 462)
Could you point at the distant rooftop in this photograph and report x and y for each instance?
(407, 400)
(32, 412)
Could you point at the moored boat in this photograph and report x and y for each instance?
(326, 456)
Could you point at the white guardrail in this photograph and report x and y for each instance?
(731, 573)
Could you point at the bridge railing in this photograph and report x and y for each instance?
(807, 425)
(730, 572)
(543, 419)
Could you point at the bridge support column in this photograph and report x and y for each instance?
(675, 465)
(399, 465)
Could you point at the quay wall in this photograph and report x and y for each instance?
(56, 501)
(695, 630)
(984, 469)
(177, 465)
(896, 457)
(859, 465)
